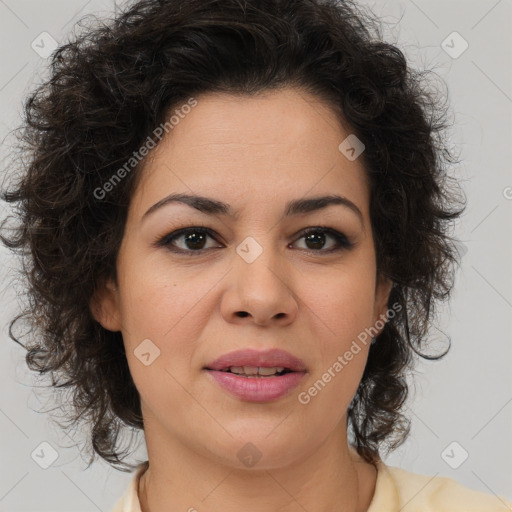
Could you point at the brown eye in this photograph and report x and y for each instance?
(192, 240)
(315, 239)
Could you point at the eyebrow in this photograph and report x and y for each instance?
(296, 207)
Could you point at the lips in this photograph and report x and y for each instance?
(257, 376)
(274, 358)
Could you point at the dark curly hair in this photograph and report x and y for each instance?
(115, 82)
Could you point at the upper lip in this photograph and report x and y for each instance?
(266, 358)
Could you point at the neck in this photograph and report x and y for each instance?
(331, 477)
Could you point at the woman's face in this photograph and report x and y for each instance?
(254, 281)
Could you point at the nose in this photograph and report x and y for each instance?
(260, 292)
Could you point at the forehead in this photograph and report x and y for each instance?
(262, 149)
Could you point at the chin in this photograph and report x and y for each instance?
(253, 448)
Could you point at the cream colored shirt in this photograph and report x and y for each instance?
(396, 490)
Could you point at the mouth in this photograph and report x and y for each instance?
(255, 372)
(256, 388)
(256, 376)
(252, 362)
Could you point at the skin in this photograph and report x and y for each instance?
(255, 154)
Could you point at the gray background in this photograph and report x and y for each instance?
(464, 398)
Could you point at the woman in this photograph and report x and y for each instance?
(236, 221)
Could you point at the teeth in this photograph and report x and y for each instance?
(270, 371)
(252, 371)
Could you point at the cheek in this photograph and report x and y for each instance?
(342, 308)
(172, 310)
(341, 314)
(162, 321)
(159, 301)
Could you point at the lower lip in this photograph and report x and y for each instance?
(259, 389)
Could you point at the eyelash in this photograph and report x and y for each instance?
(343, 243)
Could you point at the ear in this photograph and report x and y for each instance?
(382, 290)
(104, 305)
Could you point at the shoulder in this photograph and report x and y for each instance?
(129, 502)
(434, 493)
